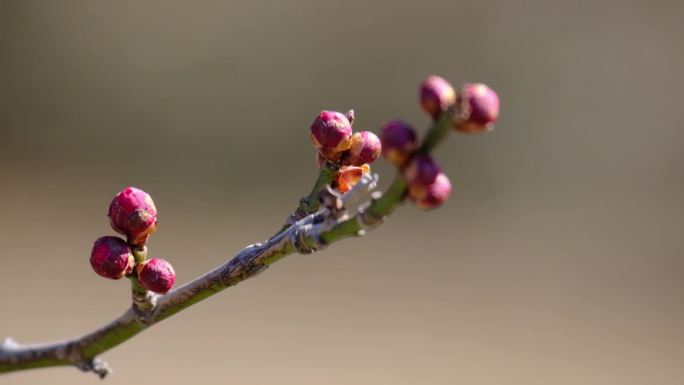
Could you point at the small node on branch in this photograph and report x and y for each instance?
(478, 109)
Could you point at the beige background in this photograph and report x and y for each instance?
(558, 260)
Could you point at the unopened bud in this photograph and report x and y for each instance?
(331, 134)
(479, 109)
(132, 213)
(436, 95)
(156, 275)
(399, 141)
(422, 170)
(111, 257)
(365, 148)
(431, 196)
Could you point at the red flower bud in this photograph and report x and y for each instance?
(156, 275)
(132, 213)
(479, 109)
(398, 140)
(111, 257)
(422, 170)
(348, 176)
(331, 133)
(436, 95)
(365, 148)
(431, 196)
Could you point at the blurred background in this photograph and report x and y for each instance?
(558, 260)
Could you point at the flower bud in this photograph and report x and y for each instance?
(111, 257)
(436, 95)
(348, 176)
(398, 140)
(365, 148)
(479, 106)
(132, 213)
(331, 134)
(430, 196)
(422, 170)
(156, 275)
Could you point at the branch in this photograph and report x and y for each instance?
(312, 229)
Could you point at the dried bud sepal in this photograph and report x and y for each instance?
(348, 176)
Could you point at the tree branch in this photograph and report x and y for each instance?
(311, 231)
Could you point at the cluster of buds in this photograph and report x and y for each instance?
(350, 152)
(133, 214)
(475, 109)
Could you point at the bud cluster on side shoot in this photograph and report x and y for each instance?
(343, 150)
(474, 110)
(132, 213)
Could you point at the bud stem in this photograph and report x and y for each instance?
(437, 133)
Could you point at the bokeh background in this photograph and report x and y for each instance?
(558, 260)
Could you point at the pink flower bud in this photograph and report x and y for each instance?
(132, 213)
(156, 275)
(348, 176)
(398, 140)
(365, 148)
(111, 257)
(431, 196)
(331, 133)
(436, 95)
(479, 109)
(422, 170)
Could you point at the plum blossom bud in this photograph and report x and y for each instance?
(156, 275)
(479, 106)
(111, 257)
(132, 213)
(365, 148)
(430, 196)
(348, 176)
(331, 134)
(436, 95)
(422, 170)
(399, 141)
